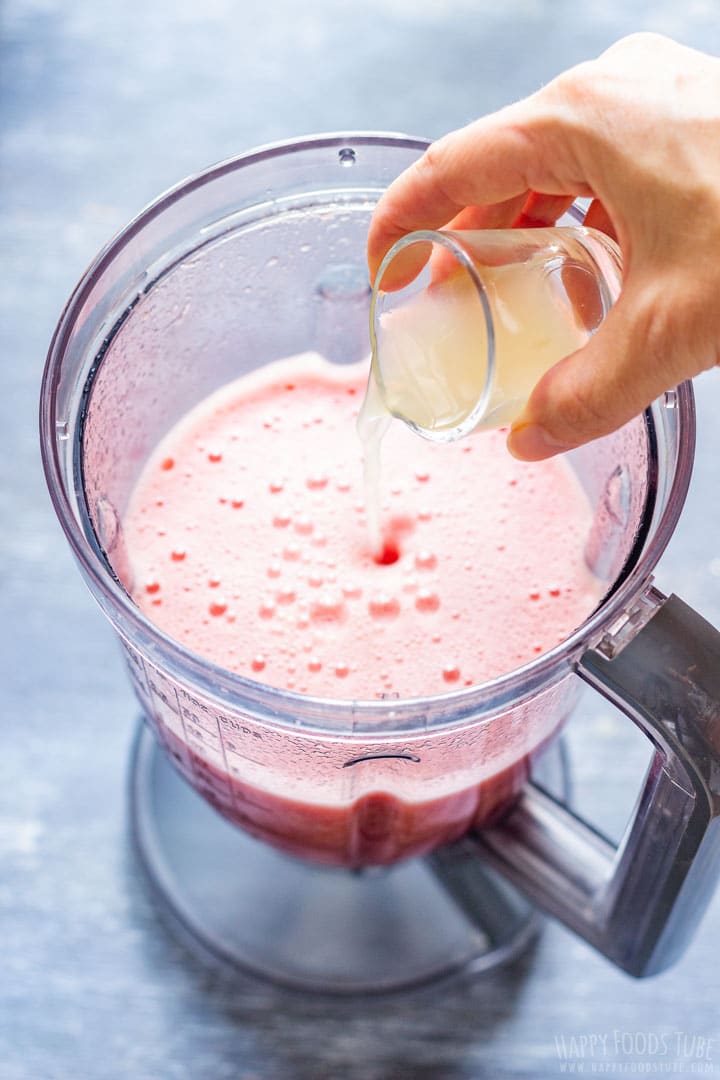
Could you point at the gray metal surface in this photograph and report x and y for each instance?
(102, 107)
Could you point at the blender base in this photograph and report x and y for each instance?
(254, 910)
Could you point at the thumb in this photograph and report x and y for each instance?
(627, 364)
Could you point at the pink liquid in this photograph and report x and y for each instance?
(247, 542)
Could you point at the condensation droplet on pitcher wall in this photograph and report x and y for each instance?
(285, 595)
(314, 664)
(282, 519)
(178, 554)
(342, 670)
(451, 673)
(274, 570)
(316, 482)
(291, 552)
(276, 486)
(217, 607)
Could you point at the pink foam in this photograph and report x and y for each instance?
(247, 542)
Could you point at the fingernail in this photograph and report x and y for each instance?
(531, 442)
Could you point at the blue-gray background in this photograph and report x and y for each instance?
(103, 106)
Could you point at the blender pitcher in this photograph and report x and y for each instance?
(258, 258)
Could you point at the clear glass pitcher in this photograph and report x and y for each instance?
(261, 257)
(462, 344)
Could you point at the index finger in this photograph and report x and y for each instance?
(492, 160)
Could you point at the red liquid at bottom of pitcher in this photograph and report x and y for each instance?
(376, 829)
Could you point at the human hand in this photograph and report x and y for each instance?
(638, 132)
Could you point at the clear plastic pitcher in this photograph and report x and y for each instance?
(262, 257)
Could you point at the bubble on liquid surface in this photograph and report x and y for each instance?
(303, 525)
(427, 600)
(384, 606)
(266, 609)
(329, 605)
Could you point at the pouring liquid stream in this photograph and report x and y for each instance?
(430, 365)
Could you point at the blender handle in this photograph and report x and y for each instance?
(639, 903)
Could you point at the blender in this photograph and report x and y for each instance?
(448, 827)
